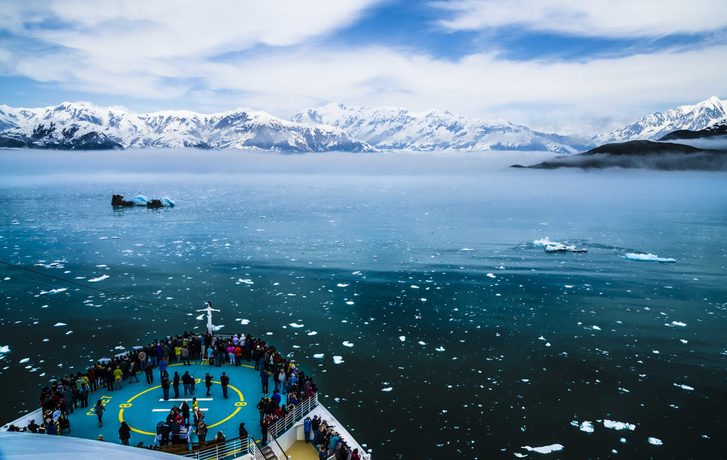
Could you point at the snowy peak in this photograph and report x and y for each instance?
(81, 125)
(656, 125)
(391, 128)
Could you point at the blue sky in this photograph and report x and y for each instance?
(556, 65)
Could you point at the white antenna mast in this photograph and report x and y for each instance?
(209, 311)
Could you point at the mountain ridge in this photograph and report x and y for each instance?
(656, 125)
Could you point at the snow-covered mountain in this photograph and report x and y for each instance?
(400, 129)
(652, 127)
(81, 125)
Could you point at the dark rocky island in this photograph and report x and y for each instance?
(670, 156)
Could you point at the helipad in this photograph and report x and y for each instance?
(142, 406)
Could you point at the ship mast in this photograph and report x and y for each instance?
(209, 311)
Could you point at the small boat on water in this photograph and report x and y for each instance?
(118, 201)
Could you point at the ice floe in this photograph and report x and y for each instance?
(655, 441)
(342, 285)
(402, 338)
(346, 343)
(244, 322)
(684, 387)
(439, 349)
(318, 355)
(24, 360)
(60, 324)
(53, 291)
(244, 281)
(337, 359)
(587, 427)
(544, 449)
(5, 349)
(100, 278)
(387, 389)
(554, 246)
(296, 325)
(312, 333)
(647, 257)
(614, 425)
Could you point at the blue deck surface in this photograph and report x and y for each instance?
(142, 405)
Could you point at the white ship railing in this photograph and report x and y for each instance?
(224, 450)
(291, 418)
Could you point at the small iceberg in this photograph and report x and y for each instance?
(100, 278)
(387, 389)
(554, 246)
(544, 449)
(60, 324)
(655, 441)
(337, 359)
(648, 257)
(347, 344)
(5, 349)
(619, 425)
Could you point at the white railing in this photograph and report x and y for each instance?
(284, 424)
(228, 449)
(255, 451)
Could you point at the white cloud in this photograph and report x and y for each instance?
(603, 18)
(149, 51)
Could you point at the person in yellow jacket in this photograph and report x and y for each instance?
(118, 376)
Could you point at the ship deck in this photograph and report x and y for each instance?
(142, 405)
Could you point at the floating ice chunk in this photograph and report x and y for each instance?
(217, 328)
(542, 242)
(200, 317)
(5, 349)
(595, 328)
(296, 325)
(414, 286)
(519, 455)
(678, 324)
(466, 249)
(684, 387)
(24, 360)
(140, 200)
(54, 291)
(349, 302)
(439, 348)
(167, 202)
(60, 324)
(102, 266)
(619, 425)
(402, 338)
(244, 322)
(318, 355)
(587, 427)
(69, 332)
(491, 275)
(560, 247)
(387, 389)
(647, 257)
(347, 344)
(544, 449)
(245, 281)
(312, 333)
(422, 343)
(100, 278)
(655, 441)
(337, 359)
(684, 340)
(342, 285)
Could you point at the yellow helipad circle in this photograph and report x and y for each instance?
(238, 406)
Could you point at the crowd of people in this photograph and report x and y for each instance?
(61, 397)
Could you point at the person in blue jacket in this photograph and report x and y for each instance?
(307, 425)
